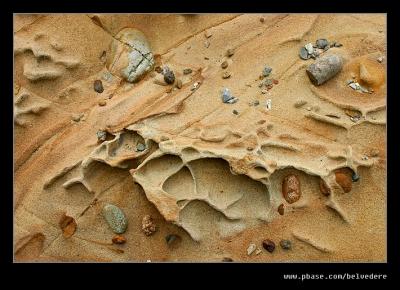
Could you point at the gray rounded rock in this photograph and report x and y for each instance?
(285, 244)
(322, 43)
(115, 218)
(324, 69)
(304, 53)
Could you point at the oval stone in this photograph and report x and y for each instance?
(115, 218)
(291, 188)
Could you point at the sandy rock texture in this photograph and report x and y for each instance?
(216, 176)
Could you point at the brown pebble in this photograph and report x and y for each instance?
(118, 239)
(187, 71)
(344, 180)
(102, 103)
(98, 86)
(178, 83)
(224, 64)
(268, 245)
(324, 187)
(275, 81)
(226, 75)
(262, 19)
(230, 52)
(148, 225)
(281, 209)
(158, 69)
(291, 188)
(227, 259)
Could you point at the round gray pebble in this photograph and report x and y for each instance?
(140, 147)
(115, 218)
(322, 43)
(304, 53)
(169, 77)
(266, 71)
(285, 244)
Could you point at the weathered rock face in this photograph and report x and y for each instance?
(130, 56)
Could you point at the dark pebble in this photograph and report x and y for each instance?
(304, 53)
(226, 259)
(169, 77)
(355, 177)
(187, 71)
(235, 112)
(322, 43)
(281, 209)
(285, 244)
(98, 86)
(171, 238)
(268, 245)
(158, 69)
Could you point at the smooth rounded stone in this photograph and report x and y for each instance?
(324, 69)
(355, 177)
(119, 240)
(291, 188)
(187, 71)
(285, 244)
(227, 259)
(130, 55)
(115, 218)
(224, 64)
(140, 147)
(102, 103)
(179, 83)
(226, 75)
(281, 209)
(304, 53)
(267, 71)
(322, 43)
(235, 112)
(230, 52)
(269, 245)
(251, 249)
(169, 76)
(98, 86)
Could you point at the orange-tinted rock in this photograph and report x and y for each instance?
(281, 209)
(118, 239)
(291, 188)
(344, 180)
(324, 187)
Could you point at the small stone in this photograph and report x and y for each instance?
(281, 209)
(148, 225)
(101, 135)
(322, 43)
(364, 90)
(187, 71)
(365, 158)
(337, 44)
(115, 218)
(291, 188)
(264, 92)
(98, 86)
(299, 104)
(77, 117)
(354, 86)
(326, 48)
(249, 148)
(140, 147)
(251, 249)
(333, 43)
(207, 44)
(195, 86)
(226, 75)
(158, 69)
(227, 259)
(348, 82)
(275, 81)
(206, 58)
(355, 177)
(268, 245)
(268, 82)
(266, 71)
(102, 103)
(235, 112)
(258, 251)
(344, 180)
(380, 59)
(119, 240)
(179, 83)
(171, 239)
(207, 34)
(268, 105)
(285, 244)
(230, 52)
(304, 53)
(309, 47)
(169, 76)
(308, 108)
(256, 102)
(262, 19)
(323, 187)
(224, 65)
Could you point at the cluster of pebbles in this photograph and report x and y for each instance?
(314, 50)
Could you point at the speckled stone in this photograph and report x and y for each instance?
(285, 244)
(115, 218)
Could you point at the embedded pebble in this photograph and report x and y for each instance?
(354, 86)
(251, 249)
(380, 59)
(171, 239)
(268, 82)
(224, 64)
(187, 71)
(258, 251)
(169, 76)
(227, 259)
(207, 34)
(179, 83)
(348, 82)
(119, 240)
(322, 43)
(148, 225)
(77, 117)
(355, 177)
(268, 104)
(262, 19)
(230, 52)
(291, 188)
(337, 44)
(235, 112)
(309, 47)
(207, 44)
(227, 97)
(140, 147)
(281, 209)
(269, 245)
(102, 103)
(226, 75)
(115, 218)
(304, 53)
(101, 135)
(285, 244)
(264, 92)
(98, 86)
(267, 71)
(300, 103)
